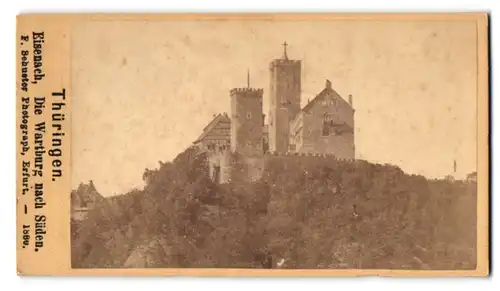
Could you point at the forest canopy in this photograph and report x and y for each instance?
(303, 213)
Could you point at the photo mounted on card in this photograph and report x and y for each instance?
(252, 144)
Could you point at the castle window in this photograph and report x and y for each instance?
(249, 115)
(328, 125)
(328, 102)
(326, 132)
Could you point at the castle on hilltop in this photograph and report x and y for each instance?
(324, 126)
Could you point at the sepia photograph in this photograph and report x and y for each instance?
(274, 144)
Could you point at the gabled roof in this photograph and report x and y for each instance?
(327, 91)
(212, 124)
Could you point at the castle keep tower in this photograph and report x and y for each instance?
(284, 100)
(246, 121)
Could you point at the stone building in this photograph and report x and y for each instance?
(324, 126)
(215, 140)
(83, 200)
(217, 134)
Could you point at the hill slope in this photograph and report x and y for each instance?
(310, 212)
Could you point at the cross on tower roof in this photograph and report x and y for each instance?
(284, 54)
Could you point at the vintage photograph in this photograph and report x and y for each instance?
(274, 144)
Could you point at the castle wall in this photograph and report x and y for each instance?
(255, 167)
(220, 166)
(284, 94)
(252, 168)
(277, 163)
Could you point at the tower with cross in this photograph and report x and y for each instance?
(284, 99)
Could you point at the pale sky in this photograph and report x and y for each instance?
(142, 91)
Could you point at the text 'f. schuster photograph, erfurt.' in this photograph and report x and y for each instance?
(274, 144)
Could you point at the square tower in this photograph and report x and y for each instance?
(246, 121)
(284, 102)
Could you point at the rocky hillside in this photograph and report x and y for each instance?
(304, 213)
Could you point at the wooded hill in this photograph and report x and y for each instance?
(305, 212)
